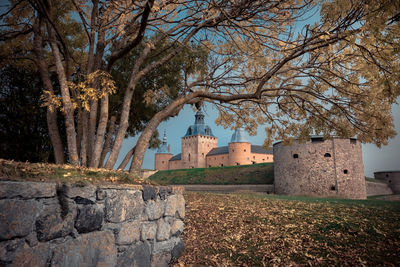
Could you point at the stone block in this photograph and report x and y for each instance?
(154, 209)
(160, 259)
(26, 190)
(177, 227)
(129, 233)
(149, 192)
(149, 230)
(122, 205)
(17, 217)
(8, 249)
(164, 192)
(37, 256)
(177, 250)
(101, 194)
(86, 191)
(175, 203)
(136, 256)
(163, 230)
(92, 249)
(51, 224)
(89, 219)
(166, 246)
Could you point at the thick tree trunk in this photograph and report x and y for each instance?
(51, 114)
(108, 141)
(66, 99)
(126, 159)
(84, 139)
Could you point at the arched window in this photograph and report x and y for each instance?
(295, 156)
(327, 155)
(189, 156)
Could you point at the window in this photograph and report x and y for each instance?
(209, 165)
(233, 150)
(317, 139)
(237, 163)
(295, 156)
(267, 157)
(353, 141)
(222, 164)
(263, 159)
(162, 161)
(345, 171)
(189, 157)
(327, 155)
(244, 150)
(333, 188)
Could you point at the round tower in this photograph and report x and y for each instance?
(320, 167)
(239, 148)
(163, 155)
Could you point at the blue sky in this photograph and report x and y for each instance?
(375, 159)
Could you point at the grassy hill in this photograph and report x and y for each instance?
(262, 173)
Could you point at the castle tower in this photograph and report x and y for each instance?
(196, 143)
(163, 155)
(239, 148)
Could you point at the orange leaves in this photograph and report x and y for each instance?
(252, 230)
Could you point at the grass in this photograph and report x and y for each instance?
(244, 174)
(263, 230)
(44, 172)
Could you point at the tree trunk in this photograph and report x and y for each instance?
(91, 133)
(107, 143)
(100, 132)
(66, 99)
(84, 140)
(126, 159)
(51, 113)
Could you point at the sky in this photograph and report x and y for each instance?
(374, 158)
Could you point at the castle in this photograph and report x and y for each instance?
(200, 150)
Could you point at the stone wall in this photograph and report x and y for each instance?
(42, 224)
(390, 177)
(320, 168)
(378, 189)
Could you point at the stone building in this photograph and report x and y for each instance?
(199, 150)
(392, 178)
(320, 167)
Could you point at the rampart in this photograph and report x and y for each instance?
(44, 224)
(320, 168)
(392, 178)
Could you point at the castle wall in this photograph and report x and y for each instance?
(218, 160)
(391, 177)
(174, 165)
(239, 153)
(195, 149)
(161, 161)
(261, 158)
(320, 168)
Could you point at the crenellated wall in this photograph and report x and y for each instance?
(44, 224)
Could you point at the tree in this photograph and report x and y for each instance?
(338, 76)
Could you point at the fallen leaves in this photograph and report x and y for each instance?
(244, 230)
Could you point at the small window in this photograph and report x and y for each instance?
(333, 188)
(233, 150)
(317, 139)
(267, 157)
(244, 150)
(222, 164)
(345, 171)
(237, 163)
(263, 159)
(189, 157)
(387, 175)
(209, 165)
(390, 181)
(254, 162)
(327, 155)
(295, 156)
(162, 161)
(353, 141)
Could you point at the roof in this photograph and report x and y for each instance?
(218, 151)
(239, 136)
(176, 157)
(260, 150)
(199, 127)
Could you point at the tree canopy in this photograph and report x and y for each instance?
(338, 75)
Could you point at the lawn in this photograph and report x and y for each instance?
(258, 230)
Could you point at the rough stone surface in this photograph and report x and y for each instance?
(37, 256)
(87, 191)
(175, 203)
(51, 225)
(136, 256)
(129, 233)
(161, 259)
(154, 209)
(149, 230)
(176, 227)
(122, 205)
(90, 218)
(149, 192)
(166, 245)
(27, 190)
(177, 250)
(163, 230)
(101, 194)
(31, 239)
(164, 192)
(376, 189)
(92, 249)
(8, 249)
(22, 220)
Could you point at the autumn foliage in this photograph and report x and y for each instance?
(259, 230)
